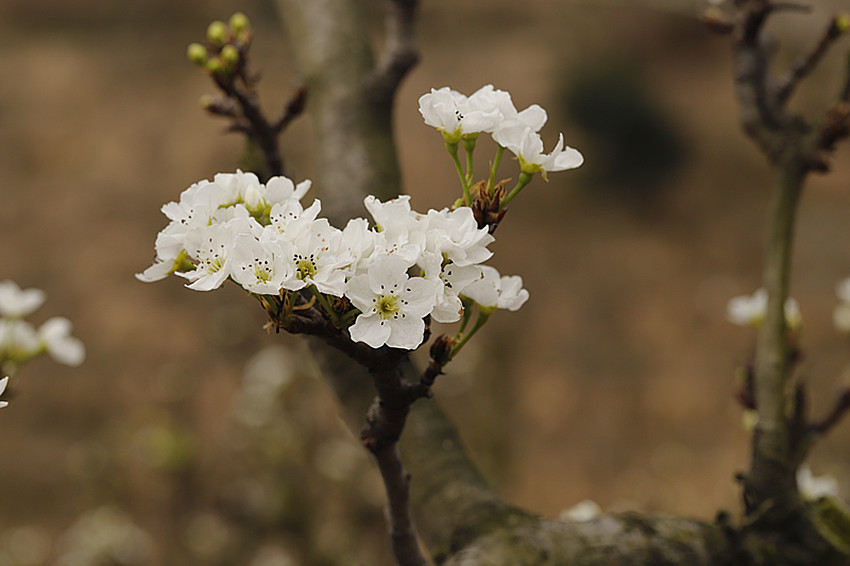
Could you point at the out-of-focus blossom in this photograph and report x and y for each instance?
(16, 302)
(749, 310)
(814, 487)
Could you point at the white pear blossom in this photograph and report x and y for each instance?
(456, 115)
(211, 246)
(527, 145)
(3, 383)
(401, 231)
(493, 291)
(456, 236)
(55, 335)
(750, 310)
(262, 266)
(319, 256)
(16, 302)
(488, 98)
(812, 487)
(452, 279)
(392, 304)
(289, 219)
(19, 340)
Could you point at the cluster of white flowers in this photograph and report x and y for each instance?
(406, 267)
(20, 341)
(489, 110)
(750, 310)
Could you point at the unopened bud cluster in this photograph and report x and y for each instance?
(223, 53)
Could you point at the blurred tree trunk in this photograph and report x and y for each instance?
(462, 521)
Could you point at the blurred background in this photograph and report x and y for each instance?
(191, 436)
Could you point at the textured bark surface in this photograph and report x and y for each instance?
(352, 123)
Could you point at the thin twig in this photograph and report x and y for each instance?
(294, 108)
(841, 407)
(806, 64)
(384, 424)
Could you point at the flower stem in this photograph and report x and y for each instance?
(483, 316)
(467, 312)
(493, 167)
(469, 148)
(524, 179)
(452, 149)
(323, 300)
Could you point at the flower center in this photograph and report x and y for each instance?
(306, 266)
(387, 306)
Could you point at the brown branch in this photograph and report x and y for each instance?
(844, 96)
(839, 409)
(801, 68)
(259, 129)
(384, 424)
(293, 109)
(399, 53)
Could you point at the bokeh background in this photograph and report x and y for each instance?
(191, 436)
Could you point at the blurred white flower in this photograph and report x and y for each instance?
(18, 303)
(56, 337)
(582, 511)
(749, 310)
(19, 341)
(3, 383)
(812, 487)
(841, 314)
(105, 536)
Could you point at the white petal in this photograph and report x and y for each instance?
(371, 330)
(407, 333)
(18, 303)
(62, 347)
(156, 272)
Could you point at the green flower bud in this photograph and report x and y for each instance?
(229, 55)
(214, 65)
(238, 23)
(206, 101)
(842, 22)
(197, 54)
(217, 32)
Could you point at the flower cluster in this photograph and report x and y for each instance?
(489, 110)
(394, 274)
(20, 341)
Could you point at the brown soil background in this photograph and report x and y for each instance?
(614, 382)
